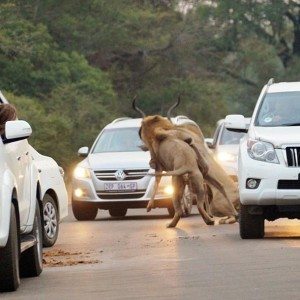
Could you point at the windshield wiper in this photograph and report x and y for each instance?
(291, 124)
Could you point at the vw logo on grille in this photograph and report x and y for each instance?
(120, 175)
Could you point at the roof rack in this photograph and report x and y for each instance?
(270, 82)
(120, 119)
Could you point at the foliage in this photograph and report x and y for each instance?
(73, 66)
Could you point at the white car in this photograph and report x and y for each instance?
(225, 147)
(269, 158)
(115, 174)
(32, 193)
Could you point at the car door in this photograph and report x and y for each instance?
(18, 160)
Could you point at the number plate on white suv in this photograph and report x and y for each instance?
(120, 186)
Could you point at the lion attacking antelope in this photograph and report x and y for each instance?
(175, 149)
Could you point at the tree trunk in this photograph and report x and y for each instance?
(296, 43)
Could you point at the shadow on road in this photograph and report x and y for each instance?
(283, 236)
(131, 218)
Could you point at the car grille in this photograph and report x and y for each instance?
(133, 195)
(288, 184)
(109, 175)
(293, 156)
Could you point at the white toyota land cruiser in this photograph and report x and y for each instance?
(33, 199)
(269, 158)
(115, 175)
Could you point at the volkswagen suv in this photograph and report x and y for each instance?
(115, 174)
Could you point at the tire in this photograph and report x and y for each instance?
(50, 221)
(118, 212)
(31, 263)
(171, 211)
(251, 226)
(9, 257)
(84, 211)
(187, 202)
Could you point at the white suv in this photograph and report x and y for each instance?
(32, 203)
(269, 158)
(115, 175)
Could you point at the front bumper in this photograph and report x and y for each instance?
(269, 174)
(91, 194)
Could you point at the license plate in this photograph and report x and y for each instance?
(120, 186)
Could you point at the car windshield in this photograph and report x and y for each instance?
(118, 140)
(279, 109)
(230, 137)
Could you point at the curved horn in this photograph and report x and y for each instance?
(173, 107)
(136, 108)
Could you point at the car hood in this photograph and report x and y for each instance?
(119, 160)
(278, 136)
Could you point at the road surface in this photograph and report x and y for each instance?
(138, 258)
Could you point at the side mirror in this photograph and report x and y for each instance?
(16, 131)
(235, 123)
(209, 142)
(83, 152)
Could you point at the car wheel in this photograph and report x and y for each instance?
(118, 212)
(187, 202)
(251, 226)
(9, 262)
(50, 221)
(31, 263)
(171, 211)
(84, 211)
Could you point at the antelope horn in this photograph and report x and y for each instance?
(136, 108)
(173, 107)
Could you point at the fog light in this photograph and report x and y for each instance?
(169, 190)
(78, 193)
(252, 183)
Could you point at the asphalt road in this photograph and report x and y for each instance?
(138, 258)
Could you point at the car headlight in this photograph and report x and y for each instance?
(81, 172)
(225, 157)
(262, 151)
(169, 190)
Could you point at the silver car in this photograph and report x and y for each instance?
(115, 174)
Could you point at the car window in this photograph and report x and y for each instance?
(279, 109)
(230, 137)
(118, 140)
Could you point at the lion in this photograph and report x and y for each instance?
(153, 128)
(213, 175)
(180, 161)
